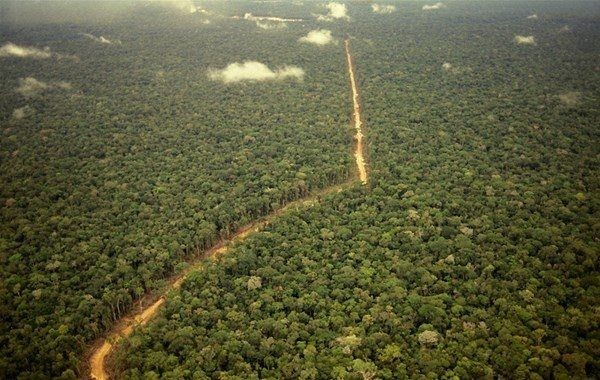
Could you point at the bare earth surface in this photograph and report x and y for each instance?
(124, 327)
(358, 153)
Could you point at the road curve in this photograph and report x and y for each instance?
(125, 325)
(97, 359)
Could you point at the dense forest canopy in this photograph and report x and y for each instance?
(113, 178)
(473, 252)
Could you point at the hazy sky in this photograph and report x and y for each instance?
(77, 11)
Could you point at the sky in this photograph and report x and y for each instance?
(77, 11)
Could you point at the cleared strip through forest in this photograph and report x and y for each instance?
(125, 325)
(358, 152)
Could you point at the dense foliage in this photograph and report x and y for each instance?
(473, 254)
(107, 186)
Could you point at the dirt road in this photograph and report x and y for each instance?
(124, 327)
(358, 152)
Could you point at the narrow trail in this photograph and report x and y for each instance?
(358, 152)
(124, 326)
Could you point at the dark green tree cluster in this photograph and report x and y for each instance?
(143, 163)
(474, 252)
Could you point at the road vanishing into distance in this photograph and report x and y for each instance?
(149, 304)
(358, 151)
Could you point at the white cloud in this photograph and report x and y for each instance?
(29, 87)
(269, 25)
(251, 17)
(10, 49)
(455, 70)
(337, 11)
(318, 37)
(203, 11)
(525, 40)
(101, 39)
(254, 71)
(22, 112)
(268, 22)
(62, 85)
(434, 6)
(186, 6)
(383, 9)
(532, 17)
(570, 99)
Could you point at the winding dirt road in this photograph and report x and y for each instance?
(124, 326)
